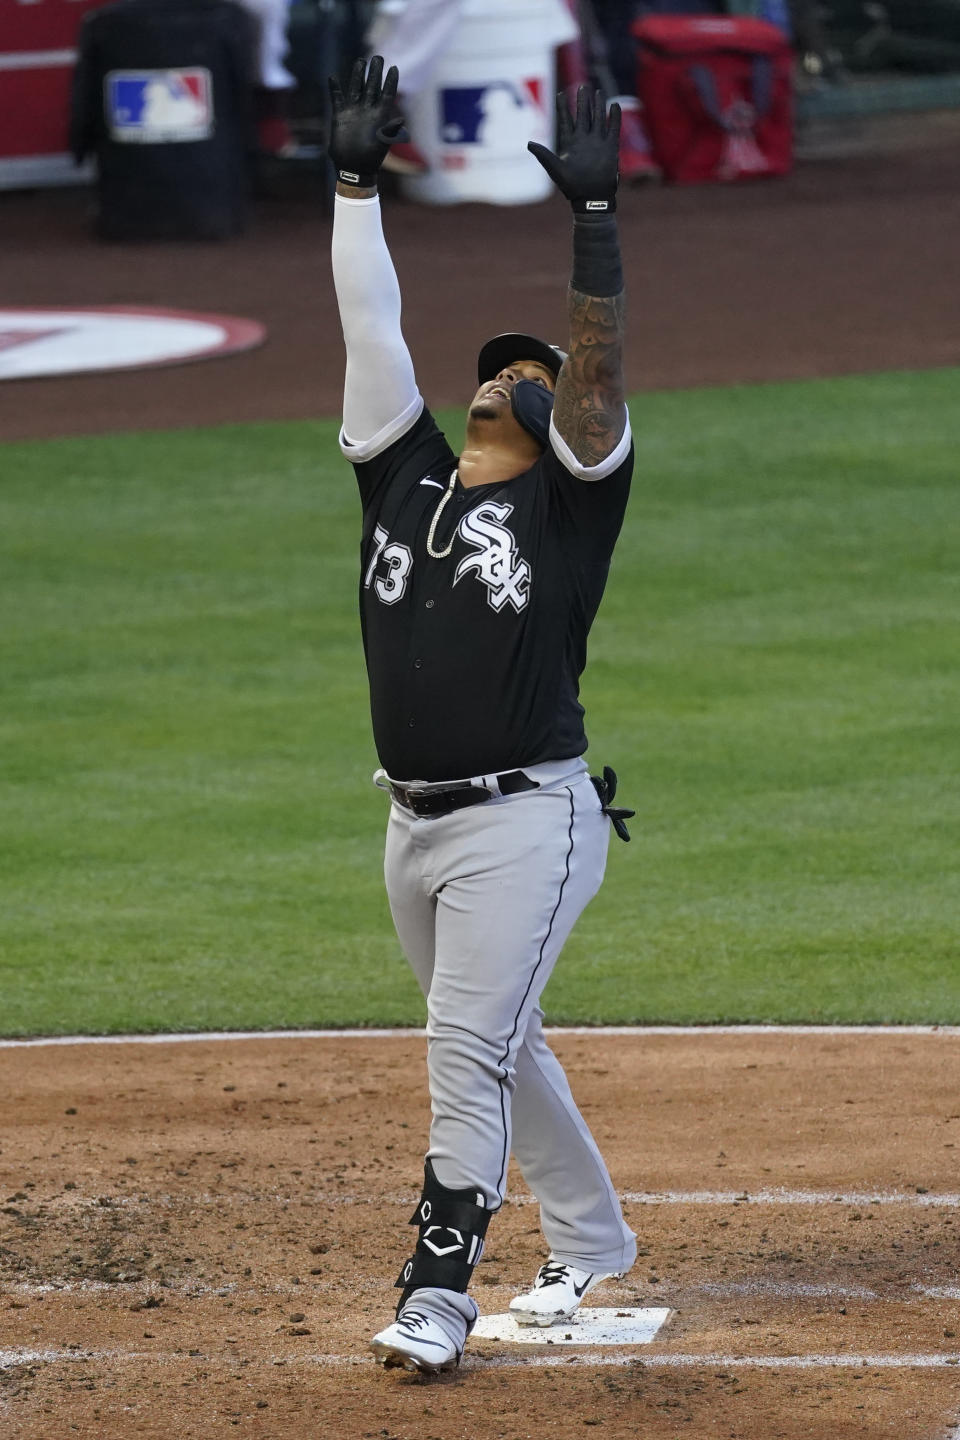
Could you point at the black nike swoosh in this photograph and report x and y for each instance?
(579, 1289)
(437, 1344)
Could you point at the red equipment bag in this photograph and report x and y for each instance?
(717, 94)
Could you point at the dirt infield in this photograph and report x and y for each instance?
(201, 1236)
(850, 264)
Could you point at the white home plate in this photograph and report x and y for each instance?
(588, 1327)
(47, 341)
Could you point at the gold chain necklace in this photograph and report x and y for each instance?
(444, 500)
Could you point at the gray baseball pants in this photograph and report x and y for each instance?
(483, 900)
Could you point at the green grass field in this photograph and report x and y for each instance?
(188, 836)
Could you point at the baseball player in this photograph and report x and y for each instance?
(480, 577)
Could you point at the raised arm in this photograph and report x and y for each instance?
(589, 412)
(380, 397)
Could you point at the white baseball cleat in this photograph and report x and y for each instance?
(556, 1293)
(416, 1342)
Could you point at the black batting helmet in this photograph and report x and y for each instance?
(504, 350)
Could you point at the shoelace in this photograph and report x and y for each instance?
(413, 1320)
(552, 1274)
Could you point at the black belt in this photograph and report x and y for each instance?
(442, 799)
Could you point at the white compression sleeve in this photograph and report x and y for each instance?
(380, 397)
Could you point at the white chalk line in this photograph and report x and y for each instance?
(402, 1032)
(780, 1290)
(123, 1289)
(187, 1289)
(628, 1355)
(947, 1200)
(756, 1288)
(741, 1362)
(910, 1199)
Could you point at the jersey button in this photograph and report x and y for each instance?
(411, 722)
(417, 664)
(430, 604)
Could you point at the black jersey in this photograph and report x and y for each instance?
(474, 660)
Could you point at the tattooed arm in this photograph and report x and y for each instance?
(589, 412)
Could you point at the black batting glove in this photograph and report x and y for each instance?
(364, 123)
(586, 167)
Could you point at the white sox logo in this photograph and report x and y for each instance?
(497, 564)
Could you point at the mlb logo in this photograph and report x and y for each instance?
(159, 107)
(491, 114)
